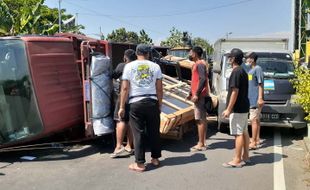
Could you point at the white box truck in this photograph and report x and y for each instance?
(280, 109)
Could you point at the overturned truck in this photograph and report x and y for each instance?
(47, 86)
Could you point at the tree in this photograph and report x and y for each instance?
(183, 39)
(7, 20)
(204, 44)
(174, 40)
(302, 85)
(121, 35)
(31, 17)
(132, 37)
(144, 38)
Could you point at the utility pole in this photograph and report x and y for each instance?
(227, 34)
(76, 19)
(59, 15)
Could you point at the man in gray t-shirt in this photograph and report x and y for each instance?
(256, 92)
(142, 81)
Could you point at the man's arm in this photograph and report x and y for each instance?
(232, 101)
(260, 101)
(202, 78)
(260, 80)
(117, 73)
(159, 92)
(123, 97)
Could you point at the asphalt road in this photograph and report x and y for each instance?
(90, 167)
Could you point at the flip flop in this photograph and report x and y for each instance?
(252, 147)
(130, 151)
(229, 165)
(135, 168)
(121, 153)
(196, 148)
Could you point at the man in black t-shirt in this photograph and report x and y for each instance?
(122, 123)
(237, 109)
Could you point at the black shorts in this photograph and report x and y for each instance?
(126, 117)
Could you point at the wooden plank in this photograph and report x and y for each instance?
(179, 98)
(171, 105)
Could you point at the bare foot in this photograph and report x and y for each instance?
(137, 167)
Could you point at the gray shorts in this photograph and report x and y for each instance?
(238, 123)
(200, 110)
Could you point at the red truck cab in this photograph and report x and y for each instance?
(40, 88)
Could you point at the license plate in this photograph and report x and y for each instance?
(270, 116)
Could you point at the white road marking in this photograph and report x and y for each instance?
(278, 169)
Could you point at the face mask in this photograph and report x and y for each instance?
(247, 64)
(191, 58)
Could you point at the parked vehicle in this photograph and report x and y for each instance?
(280, 109)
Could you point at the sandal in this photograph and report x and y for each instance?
(134, 167)
(130, 151)
(230, 165)
(197, 148)
(155, 162)
(252, 147)
(121, 153)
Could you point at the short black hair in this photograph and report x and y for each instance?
(237, 54)
(251, 55)
(130, 54)
(143, 49)
(198, 50)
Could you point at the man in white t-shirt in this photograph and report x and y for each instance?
(142, 83)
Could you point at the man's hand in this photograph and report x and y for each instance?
(226, 113)
(195, 99)
(121, 113)
(260, 102)
(188, 97)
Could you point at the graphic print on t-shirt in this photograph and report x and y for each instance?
(144, 75)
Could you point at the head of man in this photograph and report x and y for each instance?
(235, 56)
(129, 55)
(143, 51)
(195, 53)
(251, 58)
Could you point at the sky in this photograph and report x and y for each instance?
(208, 19)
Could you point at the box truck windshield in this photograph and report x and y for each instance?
(19, 115)
(274, 65)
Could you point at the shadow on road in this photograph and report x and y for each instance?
(181, 160)
(62, 153)
(222, 144)
(265, 158)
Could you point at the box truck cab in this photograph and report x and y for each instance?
(280, 109)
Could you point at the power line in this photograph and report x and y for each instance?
(173, 14)
(112, 18)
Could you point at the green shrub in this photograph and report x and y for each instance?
(302, 85)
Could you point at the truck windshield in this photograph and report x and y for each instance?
(276, 68)
(19, 115)
(180, 53)
(274, 65)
